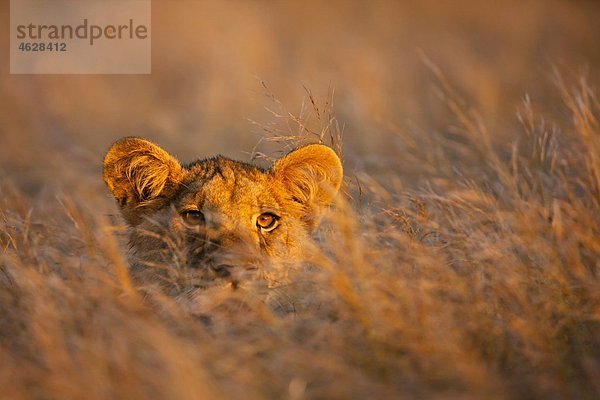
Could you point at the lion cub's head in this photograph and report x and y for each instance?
(216, 216)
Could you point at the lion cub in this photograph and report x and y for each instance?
(218, 216)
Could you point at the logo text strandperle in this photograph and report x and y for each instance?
(83, 31)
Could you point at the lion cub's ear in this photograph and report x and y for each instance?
(138, 172)
(312, 174)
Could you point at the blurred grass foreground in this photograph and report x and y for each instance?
(462, 261)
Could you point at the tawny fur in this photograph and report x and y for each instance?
(154, 192)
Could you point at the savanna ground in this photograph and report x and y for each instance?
(462, 261)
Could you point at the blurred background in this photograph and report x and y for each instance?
(226, 73)
(475, 276)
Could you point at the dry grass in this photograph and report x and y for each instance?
(463, 260)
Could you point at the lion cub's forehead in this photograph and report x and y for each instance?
(223, 183)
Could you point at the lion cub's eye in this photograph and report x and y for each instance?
(267, 221)
(193, 217)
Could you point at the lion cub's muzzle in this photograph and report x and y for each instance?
(227, 255)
